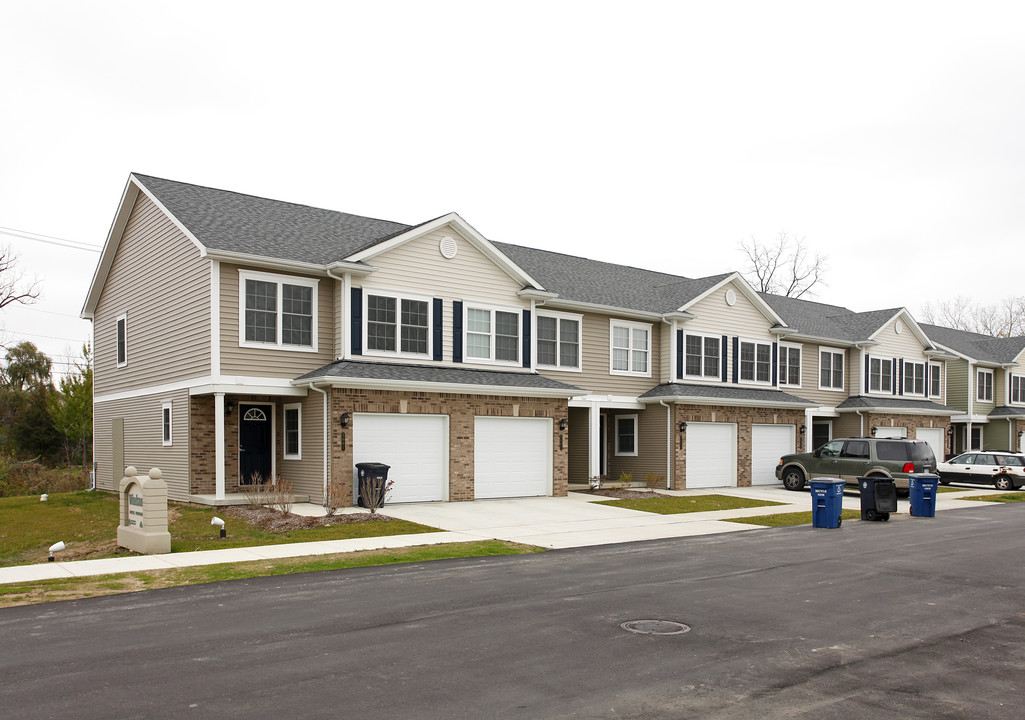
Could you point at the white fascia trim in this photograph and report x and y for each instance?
(785, 334)
(583, 307)
(956, 354)
(236, 385)
(824, 411)
(540, 295)
(350, 267)
(268, 263)
(910, 322)
(610, 402)
(726, 402)
(879, 409)
(453, 388)
(749, 293)
(185, 231)
(467, 232)
(973, 419)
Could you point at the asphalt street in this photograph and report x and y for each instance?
(913, 618)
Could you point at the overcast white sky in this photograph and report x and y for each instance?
(890, 135)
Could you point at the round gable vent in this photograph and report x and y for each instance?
(448, 247)
(899, 327)
(731, 297)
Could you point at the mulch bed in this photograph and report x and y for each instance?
(273, 520)
(624, 493)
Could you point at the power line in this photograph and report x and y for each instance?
(48, 337)
(49, 239)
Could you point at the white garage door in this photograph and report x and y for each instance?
(768, 444)
(512, 457)
(416, 448)
(711, 455)
(891, 432)
(936, 437)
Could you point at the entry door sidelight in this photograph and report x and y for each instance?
(254, 444)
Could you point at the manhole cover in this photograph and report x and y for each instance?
(655, 627)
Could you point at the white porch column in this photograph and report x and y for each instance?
(809, 413)
(593, 441)
(219, 445)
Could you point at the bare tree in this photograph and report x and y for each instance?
(13, 286)
(783, 268)
(1004, 319)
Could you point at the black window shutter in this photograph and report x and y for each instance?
(901, 386)
(775, 364)
(893, 371)
(457, 331)
(927, 378)
(357, 321)
(736, 359)
(679, 354)
(725, 355)
(868, 364)
(526, 338)
(437, 333)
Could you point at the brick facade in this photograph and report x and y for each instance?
(202, 447)
(744, 418)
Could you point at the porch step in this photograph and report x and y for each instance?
(234, 499)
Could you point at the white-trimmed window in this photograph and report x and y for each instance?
(122, 340)
(630, 348)
(790, 365)
(984, 386)
(492, 334)
(701, 356)
(277, 311)
(293, 426)
(831, 363)
(397, 325)
(935, 379)
(880, 375)
(558, 340)
(914, 378)
(626, 435)
(1018, 389)
(166, 424)
(755, 361)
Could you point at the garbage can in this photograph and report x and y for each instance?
(922, 490)
(373, 477)
(826, 502)
(878, 497)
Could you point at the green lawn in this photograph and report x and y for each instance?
(1001, 498)
(87, 523)
(795, 518)
(693, 503)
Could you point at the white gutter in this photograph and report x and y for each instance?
(327, 448)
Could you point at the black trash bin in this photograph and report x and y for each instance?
(373, 477)
(878, 497)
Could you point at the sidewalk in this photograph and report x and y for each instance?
(566, 522)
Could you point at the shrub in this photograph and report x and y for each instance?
(655, 481)
(28, 477)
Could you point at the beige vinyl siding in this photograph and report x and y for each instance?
(651, 445)
(160, 281)
(957, 384)
(666, 361)
(579, 471)
(273, 362)
(811, 374)
(595, 349)
(979, 407)
(848, 425)
(143, 440)
(418, 267)
(715, 317)
(903, 346)
(307, 474)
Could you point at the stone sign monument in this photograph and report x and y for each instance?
(143, 525)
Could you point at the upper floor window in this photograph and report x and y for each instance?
(558, 341)
(397, 325)
(935, 379)
(880, 375)
(831, 370)
(278, 310)
(914, 378)
(631, 348)
(701, 356)
(984, 391)
(165, 422)
(790, 365)
(755, 361)
(492, 335)
(1018, 389)
(122, 340)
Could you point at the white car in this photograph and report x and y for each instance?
(1003, 470)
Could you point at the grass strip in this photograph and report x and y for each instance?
(1001, 498)
(42, 591)
(689, 504)
(795, 518)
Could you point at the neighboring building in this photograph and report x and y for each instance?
(238, 338)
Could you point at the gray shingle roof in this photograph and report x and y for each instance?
(1004, 411)
(976, 346)
(828, 321)
(233, 222)
(734, 393)
(861, 402)
(441, 374)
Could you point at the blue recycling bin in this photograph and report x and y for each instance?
(826, 502)
(922, 491)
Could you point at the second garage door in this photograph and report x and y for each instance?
(936, 438)
(768, 444)
(711, 455)
(512, 457)
(414, 446)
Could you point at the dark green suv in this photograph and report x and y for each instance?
(851, 458)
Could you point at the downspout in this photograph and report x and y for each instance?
(327, 449)
(669, 444)
(861, 424)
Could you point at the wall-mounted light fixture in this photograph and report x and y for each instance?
(803, 429)
(229, 407)
(950, 432)
(874, 431)
(344, 420)
(1021, 434)
(683, 427)
(562, 424)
